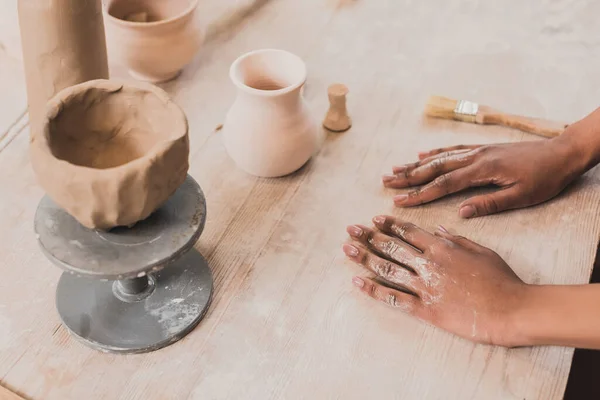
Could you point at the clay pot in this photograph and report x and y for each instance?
(111, 153)
(154, 39)
(269, 131)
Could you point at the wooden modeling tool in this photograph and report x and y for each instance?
(337, 119)
(130, 290)
(468, 111)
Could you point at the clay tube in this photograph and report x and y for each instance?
(63, 44)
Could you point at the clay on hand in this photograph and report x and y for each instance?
(526, 174)
(443, 279)
(111, 153)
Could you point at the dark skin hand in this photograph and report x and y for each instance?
(460, 286)
(452, 282)
(526, 173)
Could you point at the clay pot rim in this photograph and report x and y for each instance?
(142, 25)
(266, 93)
(56, 103)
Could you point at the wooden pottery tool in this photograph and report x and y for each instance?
(130, 290)
(337, 119)
(468, 111)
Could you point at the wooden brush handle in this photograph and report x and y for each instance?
(537, 126)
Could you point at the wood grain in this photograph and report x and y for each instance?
(285, 321)
(6, 394)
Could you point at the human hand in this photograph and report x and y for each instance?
(446, 280)
(527, 173)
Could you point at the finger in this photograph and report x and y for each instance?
(460, 240)
(386, 269)
(441, 186)
(428, 171)
(384, 245)
(406, 231)
(504, 199)
(392, 297)
(402, 168)
(430, 153)
(444, 154)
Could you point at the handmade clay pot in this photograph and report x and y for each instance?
(63, 44)
(269, 130)
(111, 153)
(154, 39)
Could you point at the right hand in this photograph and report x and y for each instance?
(527, 173)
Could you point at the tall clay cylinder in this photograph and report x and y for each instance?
(63, 44)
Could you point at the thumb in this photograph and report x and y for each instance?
(491, 203)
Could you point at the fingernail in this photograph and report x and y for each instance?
(354, 231)
(350, 250)
(422, 154)
(467, 212)
(397, 170)
(441, 228)
(358, 282)
(388, 178)
(380, 219)
(401, 198)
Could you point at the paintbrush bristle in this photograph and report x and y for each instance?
(440, 107)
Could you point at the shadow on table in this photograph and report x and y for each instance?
(583, 380)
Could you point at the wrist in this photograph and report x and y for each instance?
(580, 143)
(529, 322)
(559, 315)
(519, 327)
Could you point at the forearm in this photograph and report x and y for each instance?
(563, 315)
(583, 141)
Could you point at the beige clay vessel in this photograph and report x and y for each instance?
(154, 39)
(111, 153)
(269, 130)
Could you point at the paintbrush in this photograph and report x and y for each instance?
(468, 111)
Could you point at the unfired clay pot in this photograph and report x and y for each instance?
(269, 131)
(111, 153)
(154, 39)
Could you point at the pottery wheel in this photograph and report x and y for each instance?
(123, 252)
(100, 315)
(130, 290)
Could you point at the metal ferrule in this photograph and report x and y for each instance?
(466, 110)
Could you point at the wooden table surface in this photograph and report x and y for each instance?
(285, 321)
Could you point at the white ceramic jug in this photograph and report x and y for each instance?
(269, 130)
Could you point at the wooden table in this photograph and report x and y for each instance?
(285, 321)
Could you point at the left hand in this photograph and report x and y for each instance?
(526, 173)
(446, 280)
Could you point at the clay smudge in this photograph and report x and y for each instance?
(398, 275)
(76, 243)
(394, 250)
(174, 315)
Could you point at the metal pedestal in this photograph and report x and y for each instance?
(130, 290)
